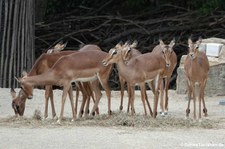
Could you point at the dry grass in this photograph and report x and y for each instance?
(118, 119)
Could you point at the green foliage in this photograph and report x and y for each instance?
(210, 5)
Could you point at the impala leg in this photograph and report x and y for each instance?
(89, 93)
(77, 96)
(161, 86)
(122, 82)
(157, 82)
(108, 94)
(194, 96)
(203, 100)
(98, 95)
(65, 91)
(189, 99)
(166, 94)
(52, 102)
(152, 86)
(86, 111)
(199, 100)
(70, 92)
(95, 84)
(129, 98)
(132, 100)
(143, 92)
(81, 112)
(47, 95)
(149, 106)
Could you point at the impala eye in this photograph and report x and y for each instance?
(114, 53)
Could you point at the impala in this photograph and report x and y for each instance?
(42, 64)
(196, 67)
(138, 70)
(82, 66)
(84, 87)
(127, 55)
(162, 49)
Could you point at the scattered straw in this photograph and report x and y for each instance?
(118, 119)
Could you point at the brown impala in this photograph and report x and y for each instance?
(196, 67)
(168, 50)
(159, 49)
(138, 70)
(127, 55)
(84, 87)
(41, 65)
(82, 66)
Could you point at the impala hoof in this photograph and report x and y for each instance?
(166, 112)
(110, 112)
(188, 111)
(93, 113)
(162, 114)
(59, 121)
(55, 117)
(204, 110)
(121, 108)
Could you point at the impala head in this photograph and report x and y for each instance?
(26, 87)
(57, 48)
(126, 50)
(167, 50)
(18, 102)
(193, 47)
(114, 55)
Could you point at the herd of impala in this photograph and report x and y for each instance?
(89, 67)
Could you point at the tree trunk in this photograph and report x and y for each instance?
(16, 39)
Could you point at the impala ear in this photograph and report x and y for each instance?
(118, 45)
(17, 79)
(189, 41)
(58, 44)
(64, 45)
(172, 43)
(161, 43)
(127, 43)
(13, 93)
(199, 40)
(24, 74)
(134, 44)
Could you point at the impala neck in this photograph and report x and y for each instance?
(47, 78)
(124, 69)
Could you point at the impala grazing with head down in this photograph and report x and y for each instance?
(82, 66)
(196, 67)
(41, 65)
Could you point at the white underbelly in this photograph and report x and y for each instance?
(93, 78)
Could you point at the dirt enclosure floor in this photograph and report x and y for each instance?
(117, 131)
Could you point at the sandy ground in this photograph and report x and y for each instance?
(29, 133)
